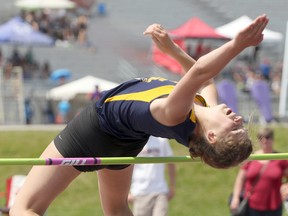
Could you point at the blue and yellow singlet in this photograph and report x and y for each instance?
(125, 114)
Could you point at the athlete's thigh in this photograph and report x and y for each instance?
(114, 186)
(44, 183)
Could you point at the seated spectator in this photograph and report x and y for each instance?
(95, 96)
(16, 58)
(45, 70)
(265, 68)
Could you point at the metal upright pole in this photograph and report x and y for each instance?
(284, 82)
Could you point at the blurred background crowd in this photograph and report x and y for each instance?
(96, 44)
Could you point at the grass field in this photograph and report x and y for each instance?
(201, 190)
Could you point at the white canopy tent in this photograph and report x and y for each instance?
(231, 29)
(40, 4)
(84, 85)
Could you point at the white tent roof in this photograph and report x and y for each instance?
(84, 85)
(231, 29)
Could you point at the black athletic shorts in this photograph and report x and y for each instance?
(83, 137)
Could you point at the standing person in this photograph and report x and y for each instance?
(64, 107)
(266, 68)
(120, 123)
(149, 192)
(96, 95)
(29, 111)
(265, 199)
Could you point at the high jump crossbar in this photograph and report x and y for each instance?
(121, 160)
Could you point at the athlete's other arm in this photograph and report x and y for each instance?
(164, 43)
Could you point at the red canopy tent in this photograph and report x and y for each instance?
(166, 61)
(194, 28)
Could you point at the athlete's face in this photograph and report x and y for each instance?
(225, 122)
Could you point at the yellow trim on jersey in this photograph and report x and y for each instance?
(146, 96)
(198, 98)
(192, 116)
(151, 94)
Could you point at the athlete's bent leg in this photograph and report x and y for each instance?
(42, 186)
(114, 186)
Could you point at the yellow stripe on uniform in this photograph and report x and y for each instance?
(149, 95)
(145, 96)
(198, 98)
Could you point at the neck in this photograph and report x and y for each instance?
(201, 119)
(265, 151)
(200, 114)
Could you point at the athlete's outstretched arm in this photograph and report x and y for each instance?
(178, 104)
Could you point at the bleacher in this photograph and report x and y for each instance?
(127, 19)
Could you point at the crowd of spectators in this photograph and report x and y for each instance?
(63, 25)
(244, 74)
(31, 68)
(68, 26)
(246, 69)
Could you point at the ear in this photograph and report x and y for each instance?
(211, 136)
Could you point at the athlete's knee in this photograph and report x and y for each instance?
(118, 211)
(21, 211)
(14, 211)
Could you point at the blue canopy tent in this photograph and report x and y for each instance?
(17, 31)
